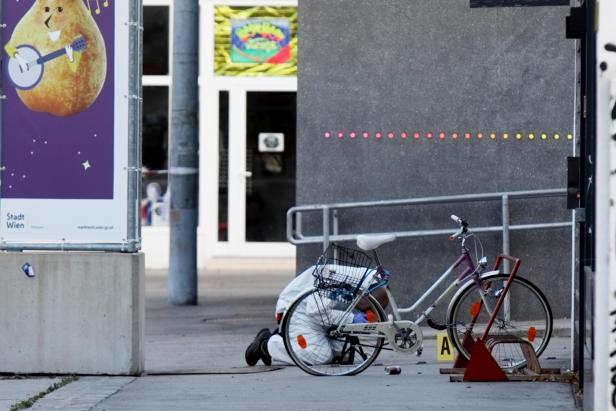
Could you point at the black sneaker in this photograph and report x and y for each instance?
(253, 352)
(265, 357)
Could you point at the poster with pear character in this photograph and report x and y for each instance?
(57, 117)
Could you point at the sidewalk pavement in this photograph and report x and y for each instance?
(195, 361)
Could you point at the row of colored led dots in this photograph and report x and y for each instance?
(442, 135)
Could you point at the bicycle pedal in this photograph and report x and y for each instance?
(419, 351)
(436, 325)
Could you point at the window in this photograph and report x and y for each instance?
(156, 40)
(155, 116)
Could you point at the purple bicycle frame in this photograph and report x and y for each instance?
(463, 259)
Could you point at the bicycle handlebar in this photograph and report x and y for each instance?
(463, 227)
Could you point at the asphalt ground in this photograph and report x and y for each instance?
(195, 361)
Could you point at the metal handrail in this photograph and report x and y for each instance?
(294, 216)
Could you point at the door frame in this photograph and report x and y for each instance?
(238, 87)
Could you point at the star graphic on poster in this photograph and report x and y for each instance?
(86, 164)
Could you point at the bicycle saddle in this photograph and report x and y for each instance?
(370, 242)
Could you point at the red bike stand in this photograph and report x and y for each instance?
(461, 361)
(482, 367)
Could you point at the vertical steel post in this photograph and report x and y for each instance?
(325, 228)
(335, 222)
(134, 136)
(298, 225)
(183, 154)
(506, 251)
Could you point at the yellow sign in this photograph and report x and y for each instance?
(444, 348)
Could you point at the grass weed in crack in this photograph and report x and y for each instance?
(27, 403)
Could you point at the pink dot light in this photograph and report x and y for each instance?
(340, 134)
(416, 135)
(467, 135)
(454, 136)
(429, 136)
(378, 134)
(390, 135)
(327, 134)
(352, 134)
(365, 134)
(441, 135)
(479, 136)
(403, 135)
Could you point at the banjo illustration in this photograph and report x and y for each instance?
(26, 79)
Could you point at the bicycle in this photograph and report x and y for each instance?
(339, 328)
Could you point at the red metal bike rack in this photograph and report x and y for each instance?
(482, 366)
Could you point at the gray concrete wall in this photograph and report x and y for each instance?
(437, 66)
(83, 313)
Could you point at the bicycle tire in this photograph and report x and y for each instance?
(330, 354)
(531, 321)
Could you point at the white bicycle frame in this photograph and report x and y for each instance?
(395, 323)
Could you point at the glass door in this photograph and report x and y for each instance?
(270, 164)
(255, 135)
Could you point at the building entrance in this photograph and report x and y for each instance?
(270, 163)
(248, 126)
(256, 165)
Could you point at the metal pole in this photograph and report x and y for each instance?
(506, 251)
(325, 228)
(183, 154)
(335, 222)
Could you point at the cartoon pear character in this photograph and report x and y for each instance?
(71, 70)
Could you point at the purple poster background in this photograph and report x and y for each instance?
(49, 157)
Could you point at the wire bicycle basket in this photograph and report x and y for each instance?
(342, 272)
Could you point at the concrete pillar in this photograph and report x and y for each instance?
(83, 313)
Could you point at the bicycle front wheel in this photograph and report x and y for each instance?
(309, 337)
(527, 315)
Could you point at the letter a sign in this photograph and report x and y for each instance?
(444, 348)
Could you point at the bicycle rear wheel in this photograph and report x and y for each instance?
(528, 317)
(307, 332)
